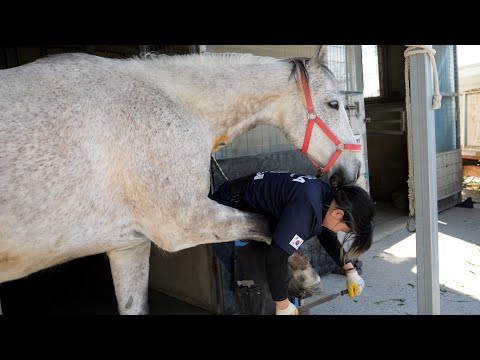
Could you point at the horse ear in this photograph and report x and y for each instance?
(320, 57)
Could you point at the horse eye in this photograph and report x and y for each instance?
(333, 104)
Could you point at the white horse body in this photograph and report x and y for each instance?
(101, 155)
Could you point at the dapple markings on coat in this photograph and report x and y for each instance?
(105, 155)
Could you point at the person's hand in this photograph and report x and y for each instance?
(289, 310)
(355, 283)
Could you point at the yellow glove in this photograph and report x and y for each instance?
(289, 310)
(355, 283)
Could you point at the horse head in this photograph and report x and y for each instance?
(318, 123)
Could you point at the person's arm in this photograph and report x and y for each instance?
(294, 226)
(332, 246)
(278, 274)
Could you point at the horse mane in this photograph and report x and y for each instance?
(236, 59)
(230, 58)
(302, 62)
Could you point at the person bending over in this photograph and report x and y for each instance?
(298, 208)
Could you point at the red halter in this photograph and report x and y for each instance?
(313, 118)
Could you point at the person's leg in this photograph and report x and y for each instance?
(224, 251)
(222, 195)
(231, 193)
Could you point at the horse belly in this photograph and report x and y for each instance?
(29, 249)
(18, 263)
(40, 232)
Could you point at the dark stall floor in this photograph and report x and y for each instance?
(80, 287)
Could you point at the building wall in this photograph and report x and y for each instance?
(189, 275)
(470, 126)
(469, 85)
(449, 173)
(469, 77)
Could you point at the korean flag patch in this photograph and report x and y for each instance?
(296, 242)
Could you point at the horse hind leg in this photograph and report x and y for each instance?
(217, 223)
(305, 281)
(130, 268)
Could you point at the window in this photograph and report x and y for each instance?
(446, 118)
(371, 79)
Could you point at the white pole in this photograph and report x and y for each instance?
(425, 170)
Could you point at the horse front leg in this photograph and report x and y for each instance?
(130, 278)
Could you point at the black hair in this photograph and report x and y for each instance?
(359, 212)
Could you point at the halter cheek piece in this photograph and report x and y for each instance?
(313, 118)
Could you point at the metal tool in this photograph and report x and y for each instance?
(322, 300)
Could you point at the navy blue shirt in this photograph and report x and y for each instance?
(294, 204)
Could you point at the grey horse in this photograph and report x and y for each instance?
(107, 156)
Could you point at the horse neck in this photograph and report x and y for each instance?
(233, 95)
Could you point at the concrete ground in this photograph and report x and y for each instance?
(389, 270)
